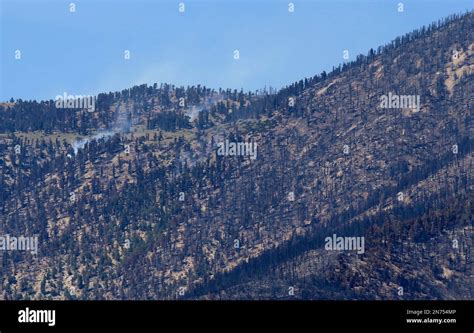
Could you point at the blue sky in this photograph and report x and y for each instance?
(83, 52)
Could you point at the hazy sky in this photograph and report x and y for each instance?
(83, 52)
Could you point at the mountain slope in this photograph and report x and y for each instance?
(151, 210)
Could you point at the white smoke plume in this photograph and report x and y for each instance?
(121, 125)
(193, 112)
(80, 144)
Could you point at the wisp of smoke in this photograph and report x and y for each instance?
(121, 124)
(79, 144)
(195, 109)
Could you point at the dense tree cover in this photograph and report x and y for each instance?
(169, 121)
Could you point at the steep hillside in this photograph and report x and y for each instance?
(136, 201)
